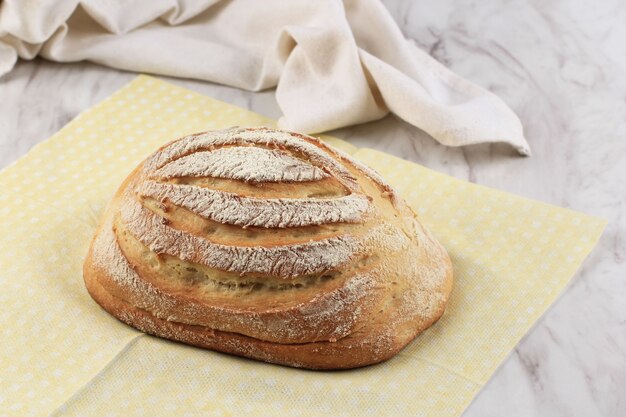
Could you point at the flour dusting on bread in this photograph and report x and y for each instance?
(270, 245)
(231, 208)
(283, 261)
(247, 163)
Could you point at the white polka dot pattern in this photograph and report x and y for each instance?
(60, 352)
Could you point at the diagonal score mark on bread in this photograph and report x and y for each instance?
(270, 245)
(251, 164)
(230, 208)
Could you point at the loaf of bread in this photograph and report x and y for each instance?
(269, 245)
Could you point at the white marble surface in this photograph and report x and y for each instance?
(561, 65)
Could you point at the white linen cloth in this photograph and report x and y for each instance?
(334, 63)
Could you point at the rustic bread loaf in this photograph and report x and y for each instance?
(269, 245)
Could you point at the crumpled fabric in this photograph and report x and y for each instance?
(333, 63)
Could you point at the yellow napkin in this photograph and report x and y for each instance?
(61, 354)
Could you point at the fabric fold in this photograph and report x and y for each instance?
(334, 63)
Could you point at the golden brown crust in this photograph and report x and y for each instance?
(351, 352)
(312, 283)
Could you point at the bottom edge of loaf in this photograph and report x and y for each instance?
(342, 354)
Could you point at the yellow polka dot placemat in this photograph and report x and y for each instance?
(61, 355)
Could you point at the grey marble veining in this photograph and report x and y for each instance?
(561, 65)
